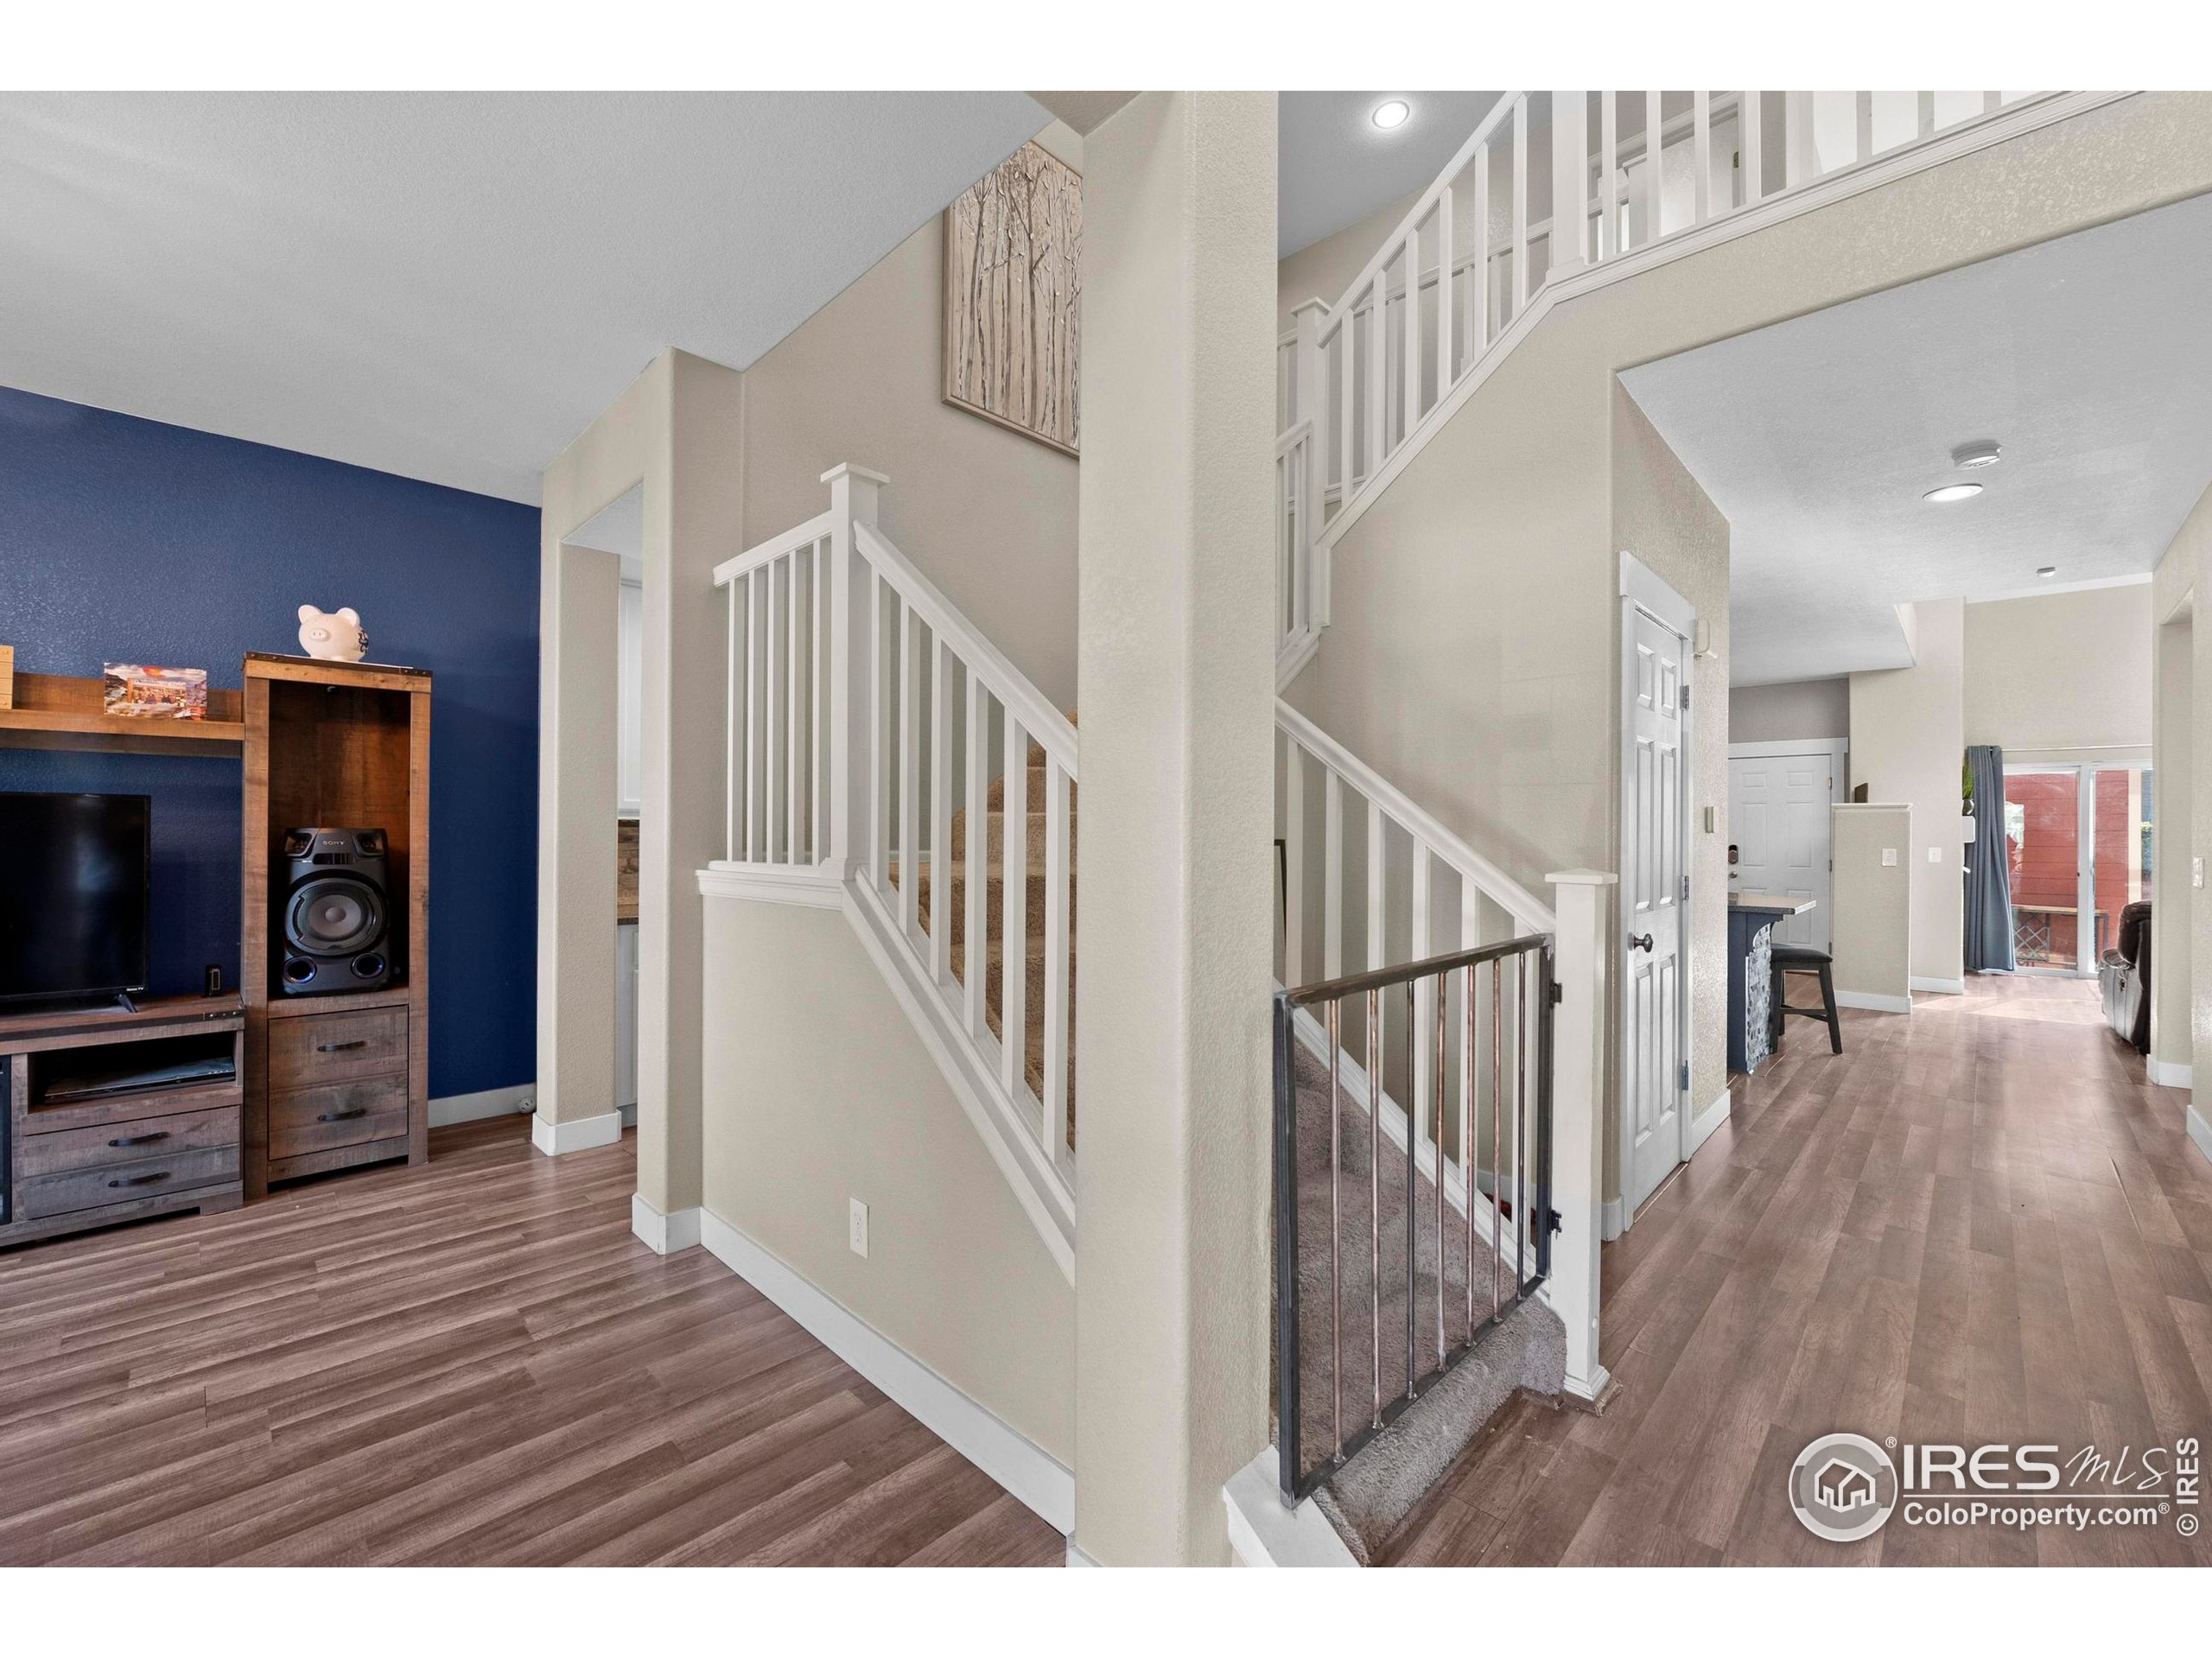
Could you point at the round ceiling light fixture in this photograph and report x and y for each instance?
(1952, 492)
(1983, 451)
(1391, 114)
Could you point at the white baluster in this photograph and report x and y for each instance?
(818, 799)
(794, 758)
(855, 676)
(771, 683)
(1654, 142)
(880, 668)
(1374, 886)
(1570, 196)
(753, 848)
(1378, 361)
(1424, 1078)
(1701, 156)
(729, 734)
(910, 783)
(1446, 293)
(976, 953)
(1864, 125)
(940, 811)
(1479, 299)
(1332, 875)
(1346, 380)
(1056, 960)
(1520, 202)
(1013, 908)
(1749, 142)
(1409, 370)
(1801, 154)
(1609, 162)
(1926, 113)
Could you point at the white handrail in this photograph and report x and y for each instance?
(774, 548)
(1529, 912)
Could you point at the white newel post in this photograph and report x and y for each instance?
(853, 495)
(1577, 1099)
(1570, 182)
(1310, 379)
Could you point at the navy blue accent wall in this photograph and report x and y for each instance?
(124, 540)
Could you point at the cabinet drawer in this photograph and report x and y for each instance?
(337, 1114)
(310, 1050)
(85, 1189)
(85, 1150)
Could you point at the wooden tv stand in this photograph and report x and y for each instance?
(87, 1162)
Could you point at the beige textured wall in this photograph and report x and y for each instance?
(987, 515)
(1908, 744)
(2060, 670)
(2173, 829)
(1471, 654)
(1873, 909)
(1663, 517)
(1178, 698)
(2180, 576)
(1790, 709)
(818, 1091)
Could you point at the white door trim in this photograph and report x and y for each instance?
(1837, 748)
(1642, 588)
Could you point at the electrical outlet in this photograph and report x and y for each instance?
(1935, 854)
(1889, 858)
(856, 1226)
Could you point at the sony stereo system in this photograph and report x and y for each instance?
(332, 895)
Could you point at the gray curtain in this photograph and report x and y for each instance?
(1989, 878)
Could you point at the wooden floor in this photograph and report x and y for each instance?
(471, 1361)
(1978, 1225)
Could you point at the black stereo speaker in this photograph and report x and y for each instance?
(336, 916)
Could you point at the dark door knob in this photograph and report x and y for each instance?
(1640, 942)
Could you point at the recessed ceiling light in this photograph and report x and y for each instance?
(1952, 492)
(1984, 452)
(2046, 571)
(1392, 112)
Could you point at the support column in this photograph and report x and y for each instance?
(1176, 688)
(1578, 1107)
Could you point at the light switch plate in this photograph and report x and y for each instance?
(1889, 858)
(856, 1226)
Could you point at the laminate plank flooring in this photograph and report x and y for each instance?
(471, 1361)
(1980, 1223)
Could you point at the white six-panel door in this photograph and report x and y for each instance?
(1780, 821)
(1653, 908)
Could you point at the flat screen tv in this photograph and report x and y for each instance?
(74, 871)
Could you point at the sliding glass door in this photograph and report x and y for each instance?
(2078, 852)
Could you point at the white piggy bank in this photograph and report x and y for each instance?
(333, 636)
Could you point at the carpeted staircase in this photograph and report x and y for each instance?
(1371, 1497)
(995, 910)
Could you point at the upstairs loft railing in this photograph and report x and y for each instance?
(1439, 301)
(866, 714)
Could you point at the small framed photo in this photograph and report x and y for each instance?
(141, 691)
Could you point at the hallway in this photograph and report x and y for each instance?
(1978, 1225)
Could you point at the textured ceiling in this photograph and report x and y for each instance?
(446, 286)
(1334, 167)
(2087, 358)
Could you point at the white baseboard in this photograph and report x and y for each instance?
(1588, 1389)
(2200, 1130)
(515, 1098)
(2167, 1074)
(1938, 987)
(1082, 1557)
(664, 1234)
(1703, 1125)
(1874, 1001)
(969, 1428)
(1612, 1219)
(812, 886)
(578, 1134)
(1264, 1534)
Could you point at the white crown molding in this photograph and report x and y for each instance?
(969, 1428)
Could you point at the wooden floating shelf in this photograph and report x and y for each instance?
(59, 711)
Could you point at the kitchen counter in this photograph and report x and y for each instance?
(1752, 916)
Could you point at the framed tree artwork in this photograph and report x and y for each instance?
(1013, 298)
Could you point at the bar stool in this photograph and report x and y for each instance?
(1802, 958)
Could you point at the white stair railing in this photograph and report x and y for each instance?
(865, 711)
(1479, 255)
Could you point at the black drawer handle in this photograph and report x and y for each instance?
(333, 1048)
(143, 1180)
(340, 1117)
(140, 1139)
